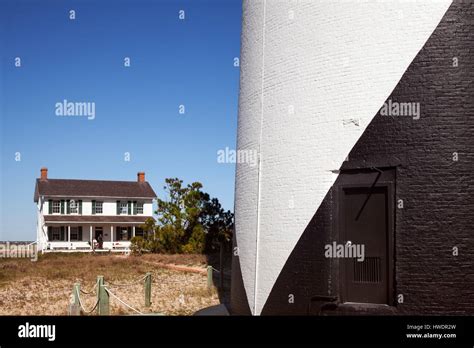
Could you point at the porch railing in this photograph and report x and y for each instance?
(86, 246)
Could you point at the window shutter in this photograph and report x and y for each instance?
(93, 207)
(50, 207)
(129, 206)
(62, 206)
(134, 207)
(62, 233)
(50, 233)
(79, 232)
(80, 207)
(129, 233)
(68, 206)
(117, 233)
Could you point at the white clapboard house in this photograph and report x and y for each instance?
(74, 213)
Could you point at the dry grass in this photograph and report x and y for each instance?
(45, 287)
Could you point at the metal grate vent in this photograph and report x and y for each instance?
(367, 271)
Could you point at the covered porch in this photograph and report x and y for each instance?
(85, 235)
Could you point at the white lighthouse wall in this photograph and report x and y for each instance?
(248, 138)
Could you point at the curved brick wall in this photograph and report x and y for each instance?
(313, 78)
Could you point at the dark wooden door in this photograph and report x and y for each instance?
(365, 222)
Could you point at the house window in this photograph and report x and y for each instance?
(123, 233)
(98, 207)
(139, 207)
(74, 233)
(73, 207)
(139, 232)
(56, 235)
(56, 207)
(123, 208)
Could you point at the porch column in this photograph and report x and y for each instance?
(112, 234)
(90, 237)
(133, 231)
(69, 235)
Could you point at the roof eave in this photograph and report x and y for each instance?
(36, 194)
(92, 196)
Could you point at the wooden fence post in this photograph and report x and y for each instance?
(77, 290)
(75, 306)
(103, 301)
(148, 290)
(100, 282)
(209, 277)
(221, 265)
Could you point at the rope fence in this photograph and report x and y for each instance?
(82, 305)
(88, 292)
(102, 289)
(138, 281)
(121, 301)
(103, 293)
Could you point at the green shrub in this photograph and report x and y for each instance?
(138, 245)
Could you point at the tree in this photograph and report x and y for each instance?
(149, 227)
(188, 221)
(178, 217)
(219, 224)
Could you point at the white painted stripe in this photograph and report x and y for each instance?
(248, 138)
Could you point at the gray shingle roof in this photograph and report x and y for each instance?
(92, 188)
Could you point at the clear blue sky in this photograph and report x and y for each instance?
(173, 62)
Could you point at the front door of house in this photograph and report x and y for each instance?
(98, 231)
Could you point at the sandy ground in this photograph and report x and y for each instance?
(45, 287)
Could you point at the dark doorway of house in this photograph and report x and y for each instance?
(366, 219)
(98, 231)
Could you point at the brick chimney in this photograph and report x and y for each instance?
(44, 174)
(141, 176)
